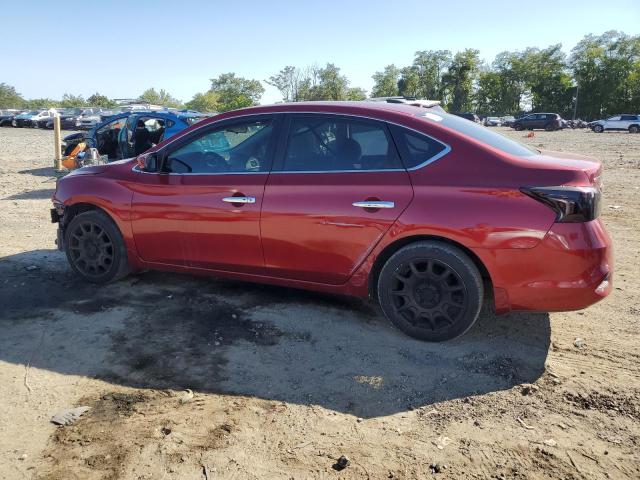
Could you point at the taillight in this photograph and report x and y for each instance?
(571, 204)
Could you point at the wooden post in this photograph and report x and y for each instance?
(57, 142)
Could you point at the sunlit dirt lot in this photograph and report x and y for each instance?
(285, 382)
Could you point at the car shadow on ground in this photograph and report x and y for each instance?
(160, 330)
(41, 172)
(42, 194)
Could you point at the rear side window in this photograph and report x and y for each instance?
(416, 149)
(629, 117)
(481, 134)
(325, 143)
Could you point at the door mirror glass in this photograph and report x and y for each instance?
(148, 162)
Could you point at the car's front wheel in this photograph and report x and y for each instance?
(431, 291)
(598, 128)
(95, 247)
(518, 127)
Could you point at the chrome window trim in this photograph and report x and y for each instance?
(429, 161)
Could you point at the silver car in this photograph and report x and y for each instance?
(625, 121)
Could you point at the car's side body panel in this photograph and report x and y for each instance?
(183, 220)
(312, 231)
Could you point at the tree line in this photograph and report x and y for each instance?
(600, 76)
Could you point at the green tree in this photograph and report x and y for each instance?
(97, 100)
(386, 82)
(9, 98)
(458, 81)
(206, 102)
(424, 78)
(430, 66)
(409, 83)
(161, 97)
(606, 69)
(236, 92)
(356, 94)
(288, 81)
(72, 101)
(547, 79)
(35, 103)
(501, 87)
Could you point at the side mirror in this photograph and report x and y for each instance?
(148, 162)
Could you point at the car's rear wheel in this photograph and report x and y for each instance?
(95, 247)
(598, 128)
(518, 127)
(549, 127)
(431, 291)
(634, 129)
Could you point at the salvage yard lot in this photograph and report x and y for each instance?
(287, 381)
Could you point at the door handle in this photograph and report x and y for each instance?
(239, 199)
(374, 204)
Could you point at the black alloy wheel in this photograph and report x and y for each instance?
(95, 248)
(431, 291)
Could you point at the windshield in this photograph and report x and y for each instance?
(480, 133)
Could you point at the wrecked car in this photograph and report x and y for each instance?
(129, 134)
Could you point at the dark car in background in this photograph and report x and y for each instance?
(469, 116)
(70, 118)
(543, 121)
(129, 134)
(7, 116)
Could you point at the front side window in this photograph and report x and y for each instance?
(324, 143)
(614, 119)
(237, 148)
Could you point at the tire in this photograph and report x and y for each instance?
(598, 128)
(634, 129)
(95, 248)
(431, 291)
(549, 127)
(518, 127)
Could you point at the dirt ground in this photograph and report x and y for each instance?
(285, 382)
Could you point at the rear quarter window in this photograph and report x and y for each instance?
(417, 149)
(482, 134)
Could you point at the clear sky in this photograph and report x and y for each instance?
(120, 48)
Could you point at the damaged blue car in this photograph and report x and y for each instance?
(128, 134)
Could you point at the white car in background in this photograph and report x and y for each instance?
(625, 121)
(492, 122)
(90, 118)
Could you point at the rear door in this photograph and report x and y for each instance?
(626, 121)
(203, 210)
(336, 188)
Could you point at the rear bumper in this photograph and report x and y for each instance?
(570, 269)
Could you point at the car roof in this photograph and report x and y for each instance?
(360, 108)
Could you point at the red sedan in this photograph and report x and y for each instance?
(429, 213)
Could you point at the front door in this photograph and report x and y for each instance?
(337, 187)
(203, 209)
